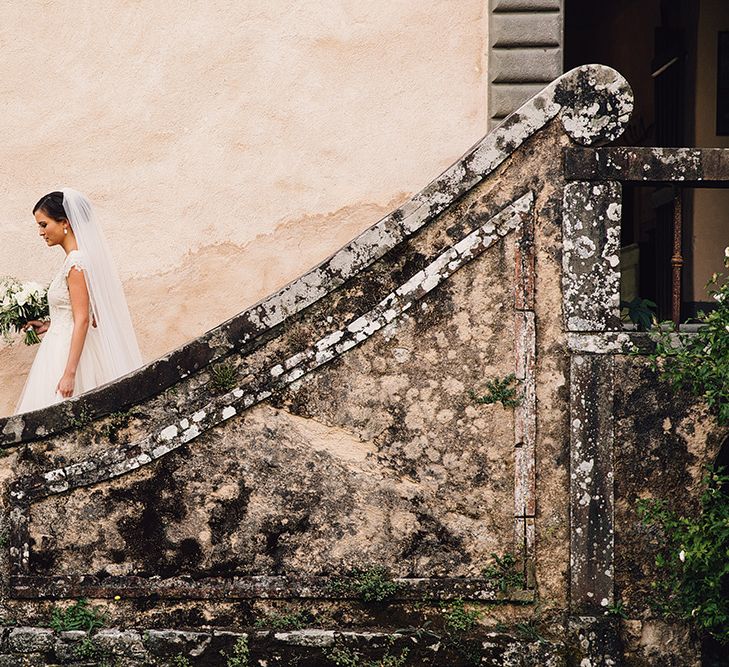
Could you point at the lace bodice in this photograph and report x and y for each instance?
(59, 299)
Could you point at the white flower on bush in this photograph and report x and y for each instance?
(682, 556)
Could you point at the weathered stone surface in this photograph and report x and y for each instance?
(611, 342)
(525, 65)
(595, 641)
(68, 645)
(505, 97)
(168, 643)
(127, 643)
(335, 426)
(504, 651)
(18, 660)
(535, 30)
(30, 640)
(697, 166)
(525, 5)
(591, 483)
(591, 256)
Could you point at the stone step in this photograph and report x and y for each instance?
(36, 647)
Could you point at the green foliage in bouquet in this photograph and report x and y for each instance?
(699, 362)
(20, 303)
(693, 558)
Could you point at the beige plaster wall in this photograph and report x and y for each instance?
(228, 145)
(711, 207)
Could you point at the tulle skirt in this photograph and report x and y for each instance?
(50, 362)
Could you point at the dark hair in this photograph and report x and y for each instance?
(52, 205)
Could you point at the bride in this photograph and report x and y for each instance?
(89, 340)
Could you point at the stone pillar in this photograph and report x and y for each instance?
(591, 302)
(525, 52)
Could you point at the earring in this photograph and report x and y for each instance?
(65, 230)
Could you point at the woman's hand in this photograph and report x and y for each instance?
(66, 384)
(40, 327)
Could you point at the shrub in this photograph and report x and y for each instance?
(693, 558)
(699, 362)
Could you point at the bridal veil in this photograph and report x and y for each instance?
(108, 304)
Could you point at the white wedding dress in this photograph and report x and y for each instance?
(94, 367)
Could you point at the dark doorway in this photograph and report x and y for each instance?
(653, 44)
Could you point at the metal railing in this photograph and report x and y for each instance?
(679, 168)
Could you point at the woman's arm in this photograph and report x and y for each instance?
(80, 309)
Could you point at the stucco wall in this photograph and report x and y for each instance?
(711, 207)
(228, 146)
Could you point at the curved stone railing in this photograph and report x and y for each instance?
(594, 103)
(488, 217)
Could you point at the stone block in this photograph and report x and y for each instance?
(504, 98)
(29, 660)
(513, 30)
(525, 65)
(595, 640)
(591, 256)
(167, 643)
(308, 637)
(525, 5)
(68, 644)
(591, 483)
(127, 643)
(30, 640)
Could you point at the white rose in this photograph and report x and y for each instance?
(21, 298)
(36, 289)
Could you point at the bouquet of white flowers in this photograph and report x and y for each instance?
(20, 303)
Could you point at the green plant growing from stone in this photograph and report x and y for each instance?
(641, 312)
(458, 622)
(457, 619)
(692, 558)
(529, 631)
(372, 584)
(347, 657)
(241, 655)
(79, 616)
(181, 661)
(88, 649)
(294, 620)
(699, 362)
(117, 421)
(617, 609)
(502, 391)
(504, 573)
(81, 419)
(223, 377)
